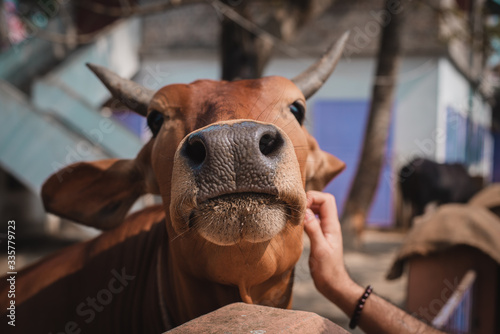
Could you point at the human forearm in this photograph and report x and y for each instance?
(378, 315)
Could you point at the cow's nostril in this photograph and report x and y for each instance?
(196, 151)
(270, 143)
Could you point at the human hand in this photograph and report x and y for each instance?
(326, 260)
(332, 280)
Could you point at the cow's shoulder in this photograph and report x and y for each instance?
(134, 231)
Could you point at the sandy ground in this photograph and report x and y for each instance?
(366, 266)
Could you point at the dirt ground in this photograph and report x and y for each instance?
(366, 266)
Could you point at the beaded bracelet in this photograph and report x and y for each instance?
(359, 308)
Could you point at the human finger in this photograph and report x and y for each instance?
(314, 231)
(324, 205)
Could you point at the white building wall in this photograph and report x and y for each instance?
(415, 117)
(454, 92)
(426, 86)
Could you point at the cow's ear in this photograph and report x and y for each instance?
(97, 194)
(321, 166)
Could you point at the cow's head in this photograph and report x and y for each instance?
(231, 161)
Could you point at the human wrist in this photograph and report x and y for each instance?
(344, 293)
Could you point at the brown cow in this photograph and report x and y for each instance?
(230, 161)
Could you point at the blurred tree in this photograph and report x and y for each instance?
(366, 179)
(4, 30)
(88, 20)
(245, 48)
(249, 31)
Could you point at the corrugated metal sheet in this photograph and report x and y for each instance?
(73, 93)
(61, 124)
(34, 145)
(79, 116)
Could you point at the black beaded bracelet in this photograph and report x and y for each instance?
(359, 308)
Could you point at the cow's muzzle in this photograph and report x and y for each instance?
(234, 158)
(238, 180)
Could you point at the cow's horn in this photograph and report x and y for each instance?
(315, 76)
(133, 95)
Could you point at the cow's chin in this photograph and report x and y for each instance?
(229, 219)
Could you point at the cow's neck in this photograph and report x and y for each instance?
(187, 296)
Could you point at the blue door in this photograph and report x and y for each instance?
(339, 128)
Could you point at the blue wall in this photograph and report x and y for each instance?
(496, 155)
(339, 128)
(465, 139)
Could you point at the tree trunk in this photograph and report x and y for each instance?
(4, 29)
(369, 168)
(245, 53)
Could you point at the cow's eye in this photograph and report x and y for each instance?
(298, 111)
(155, 121)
